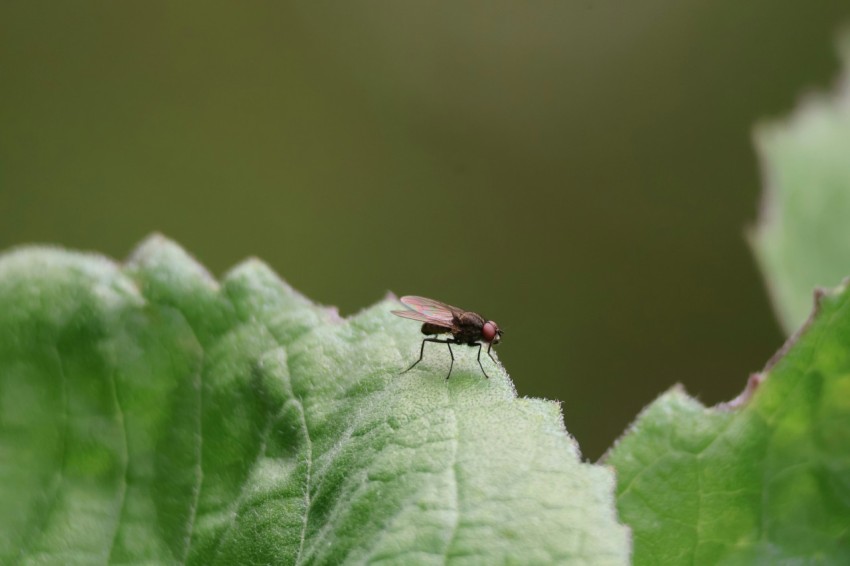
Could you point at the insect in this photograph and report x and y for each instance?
(466, 327)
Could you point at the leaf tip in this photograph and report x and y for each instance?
(818, 296)
(159, 254)
(390, 296)
(753, 383)
(254, 273)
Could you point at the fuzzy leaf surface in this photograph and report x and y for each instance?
(150, 414)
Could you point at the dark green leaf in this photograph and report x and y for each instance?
(762, 480)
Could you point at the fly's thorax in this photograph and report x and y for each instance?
(470, 319)
(468, 327)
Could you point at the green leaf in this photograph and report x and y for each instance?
(149, 414)
(764, 479)
(802, 239)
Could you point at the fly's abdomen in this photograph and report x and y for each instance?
(429, 329)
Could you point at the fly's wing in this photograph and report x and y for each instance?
(429, 310)
(413, 315)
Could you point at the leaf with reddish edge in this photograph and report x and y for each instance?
(764, 479)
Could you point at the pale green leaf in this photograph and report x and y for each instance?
(802, 239)
(149, 414)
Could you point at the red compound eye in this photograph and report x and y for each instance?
(488, 331)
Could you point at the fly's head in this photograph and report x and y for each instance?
(491, 332)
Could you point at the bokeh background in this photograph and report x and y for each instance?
(581, 171)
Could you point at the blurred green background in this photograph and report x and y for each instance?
(581, 172)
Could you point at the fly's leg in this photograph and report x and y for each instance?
(452, 364)
(490, 347)
(422, 353)
(479, 360)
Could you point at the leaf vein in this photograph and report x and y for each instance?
(455, 477)
(125, 460)
(60, 474)
(199, 468)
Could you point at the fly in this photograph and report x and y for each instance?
(466, 327)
